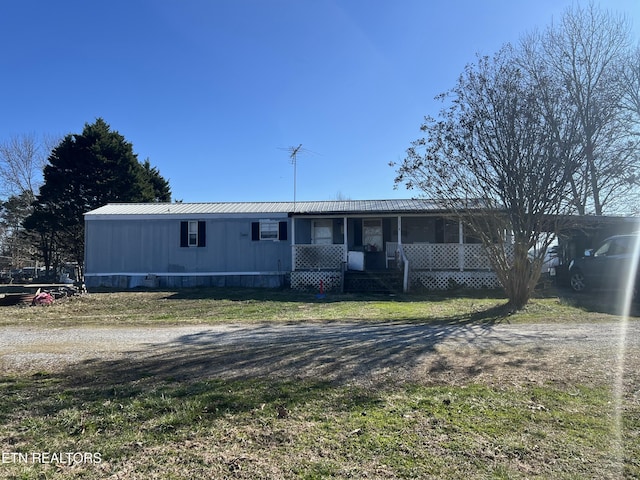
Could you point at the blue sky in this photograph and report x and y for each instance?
(213, 92)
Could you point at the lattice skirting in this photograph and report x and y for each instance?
(431, 280)
(331, 281)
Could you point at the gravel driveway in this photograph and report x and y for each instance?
(346, 352)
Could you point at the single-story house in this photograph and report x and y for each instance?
(330, 245)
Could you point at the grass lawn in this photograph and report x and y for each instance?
(128, 423)
(211, 306)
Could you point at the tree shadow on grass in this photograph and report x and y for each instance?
(237, 369)
(610, 302)
(288, 295)
(340, 354)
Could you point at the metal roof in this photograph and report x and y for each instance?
(301, 208)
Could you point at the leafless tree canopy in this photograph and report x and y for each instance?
(588, 54)
(631, 98)
(500, 158)
(22, 160)
(538, 131)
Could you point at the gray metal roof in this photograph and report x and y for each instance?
(366, 206)
(301, 208)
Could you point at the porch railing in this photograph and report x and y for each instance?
(318, 257)
(421, 256)
(447, 256)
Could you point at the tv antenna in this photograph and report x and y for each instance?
(293, 157)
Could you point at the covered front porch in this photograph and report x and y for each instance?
(427, 251)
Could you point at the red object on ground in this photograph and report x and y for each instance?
(42, 298)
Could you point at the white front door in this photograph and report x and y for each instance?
(322, 232)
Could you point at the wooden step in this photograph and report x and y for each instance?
(383, 281)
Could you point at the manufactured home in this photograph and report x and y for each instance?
(346, 245)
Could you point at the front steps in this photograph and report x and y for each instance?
(379, 281)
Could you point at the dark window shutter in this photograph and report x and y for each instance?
(255, 231)
(282, 231)
(184, 234)
(202, 234)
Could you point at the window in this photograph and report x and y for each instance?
(268, 230)
(447, 231)
(615, 246)
(193, 233)
(322, 232)
(603, 250)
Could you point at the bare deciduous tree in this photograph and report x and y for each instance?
(499, 159)
(22, 160)
(631, 79)
(587, 53)
(15, 244)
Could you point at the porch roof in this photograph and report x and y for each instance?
(341, 207)
(332, 207)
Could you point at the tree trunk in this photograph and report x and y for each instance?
(577, 201)
(593, 177)
(519, 287)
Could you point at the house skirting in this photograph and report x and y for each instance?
(311, 280)
(331, 281)
(125, 281)
(442, 280)
(418, 280)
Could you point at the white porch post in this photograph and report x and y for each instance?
(460, 246)
(405, 264)
(345, 240)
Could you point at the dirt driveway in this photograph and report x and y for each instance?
(342, 352)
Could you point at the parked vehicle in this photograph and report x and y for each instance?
(608, 266)
(550, 261)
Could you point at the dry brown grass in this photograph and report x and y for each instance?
(329, 407)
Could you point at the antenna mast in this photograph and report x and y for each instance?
(294, 153)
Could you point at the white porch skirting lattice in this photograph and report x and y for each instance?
(305, 280)
(442, 280)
